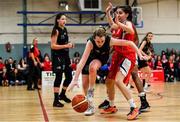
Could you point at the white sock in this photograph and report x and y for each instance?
(111, 102)
(146, 85)
(128, 86)
(131, 103)
(142, 94)
(90, 94)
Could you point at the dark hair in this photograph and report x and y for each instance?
(76, 54)
(127, 9)
(20, 62)
(145, 38)
(100, 31)
(46, 54)
(58, 16)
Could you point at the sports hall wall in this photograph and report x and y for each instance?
(162, 17)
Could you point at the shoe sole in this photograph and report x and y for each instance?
(89, 114)
(64, 100)
(108, 112)
(134, 117)
(145, 110)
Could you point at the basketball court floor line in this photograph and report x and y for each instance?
(45, 115)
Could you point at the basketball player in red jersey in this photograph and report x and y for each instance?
(108, 105)
(123, 58)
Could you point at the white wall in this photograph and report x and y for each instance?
(162, 18)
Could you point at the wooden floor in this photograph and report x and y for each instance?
(18, 104)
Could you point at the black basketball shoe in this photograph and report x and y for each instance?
(104, 105)
(64, 98)
(57, 104)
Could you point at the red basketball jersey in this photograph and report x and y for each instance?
(127, 51)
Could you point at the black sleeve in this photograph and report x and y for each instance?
(108, 39)
(67, 35)
(32, 49)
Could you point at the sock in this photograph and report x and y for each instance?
(111, 102)
(56, 96)
(146, 85)
(90, 94)
(142, 94)
(131, 103)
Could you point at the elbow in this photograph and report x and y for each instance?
(114, 26)
(52, 46)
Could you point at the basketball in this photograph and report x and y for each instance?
(79, 103)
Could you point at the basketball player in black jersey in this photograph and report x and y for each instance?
(146, 49)
(96, 55)
(60, 59)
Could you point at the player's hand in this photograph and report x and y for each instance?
(109, 7)
(35, 63)
(72, 85)
(70, 45)
(146, 58)
(117, 20)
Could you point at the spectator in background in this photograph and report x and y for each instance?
(2, 72)
(46, 64)
(76, 57)
(165, 66)
(158, 63)
(171, 69)
(12, 72)
(163, 53)
(167, 53)
(33, 63)
(22, 71)
(177, 68)
(177, 52)
(75, 60)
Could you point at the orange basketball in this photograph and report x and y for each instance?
(79, 103)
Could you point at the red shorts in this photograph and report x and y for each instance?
(119, 62)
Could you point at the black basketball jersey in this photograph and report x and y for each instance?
(101, 53)
(146, 47)
(61, 40)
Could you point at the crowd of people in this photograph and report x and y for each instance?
(14, 72)
(169, 62)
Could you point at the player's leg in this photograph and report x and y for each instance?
(146, 73)
(93, 67)
(57, 83)
(144, 103)
(67, 81)
(124, 72)
(108, 105)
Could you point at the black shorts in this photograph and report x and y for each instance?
(85, 69)
(59, 63)
(142, 63)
